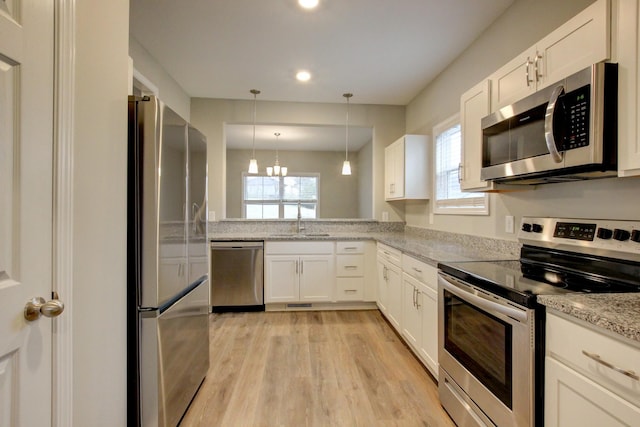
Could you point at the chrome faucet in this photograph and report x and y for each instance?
(300, 226)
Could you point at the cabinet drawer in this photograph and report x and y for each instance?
(390, 254)
(350, 265)
(566, 341)
(349, 247)
(350, 289)
(420, 271)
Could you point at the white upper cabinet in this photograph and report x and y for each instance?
(626, 52)
(474, 105)
(406, 172)
(580, 42)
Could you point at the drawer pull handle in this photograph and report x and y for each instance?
(626, 372)
(417, 270)
(352, 291)
(350, 248)
(350, 267)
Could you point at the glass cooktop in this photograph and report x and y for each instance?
(521, 280)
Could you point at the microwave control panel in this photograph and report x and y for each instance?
(576, 111)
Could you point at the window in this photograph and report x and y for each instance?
(271, 197)
(449, 198)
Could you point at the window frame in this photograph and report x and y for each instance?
(280, 202)
(473, 205)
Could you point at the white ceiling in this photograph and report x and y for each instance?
(294, 137)
(383, 51)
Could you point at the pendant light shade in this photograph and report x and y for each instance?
(346, 166)
(253, 163)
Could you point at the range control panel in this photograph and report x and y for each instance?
(615, 238)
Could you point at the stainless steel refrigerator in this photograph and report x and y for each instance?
(168, 288)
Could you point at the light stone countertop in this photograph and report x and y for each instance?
(618, 313)
(429, 250)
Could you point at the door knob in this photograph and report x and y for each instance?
(38, 306)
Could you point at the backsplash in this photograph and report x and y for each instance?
(506, 247)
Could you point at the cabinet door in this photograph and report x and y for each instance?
(411, 312)
(580, 42)
(383, 288)
(474, 105)
(394, 296)
(281, 279)
(428, 301)
(573, 400)
(317, 278)
(513, 81)
(627, 33)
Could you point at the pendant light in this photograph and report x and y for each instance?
(253, 163)
(277, 170)
(346, 166)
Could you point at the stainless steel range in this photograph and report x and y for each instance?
(491, 329)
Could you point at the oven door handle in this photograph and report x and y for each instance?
(481, 302)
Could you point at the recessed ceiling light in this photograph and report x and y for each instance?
(308, 4)
(303, 76)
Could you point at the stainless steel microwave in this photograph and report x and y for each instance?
(564, 132)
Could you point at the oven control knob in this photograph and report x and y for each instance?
(604, 233)
(526, 227)
(635, 236)
(537, 228)
(621, 235)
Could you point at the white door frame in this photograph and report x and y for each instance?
(64, 104)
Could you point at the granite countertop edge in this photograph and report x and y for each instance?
(617, 313)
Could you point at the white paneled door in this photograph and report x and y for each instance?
(26, 146)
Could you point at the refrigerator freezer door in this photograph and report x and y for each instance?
(174, 357)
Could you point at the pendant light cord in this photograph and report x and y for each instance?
(346, 148)
(255, 92)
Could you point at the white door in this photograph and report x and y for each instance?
(26, 135)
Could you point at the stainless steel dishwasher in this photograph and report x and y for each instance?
(237, 276)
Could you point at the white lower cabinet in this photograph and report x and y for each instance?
(571, 399)
(411, 311)
(390, 284)
(408, 297)
(299, 272)
(582, 386)
(420, 310)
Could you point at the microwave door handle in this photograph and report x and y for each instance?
(548, 124)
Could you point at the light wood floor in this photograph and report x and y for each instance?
(325, 368)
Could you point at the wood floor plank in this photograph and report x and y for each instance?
(324, 368)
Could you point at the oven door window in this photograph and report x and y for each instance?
(482, 343)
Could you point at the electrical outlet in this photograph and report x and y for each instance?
(509, 224)
(385, 216)
(430, 218)
(212, 215)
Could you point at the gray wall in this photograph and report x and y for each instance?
(338, 193)
(169, 91)
(365, 181)
(99, 215)
(521, 26)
